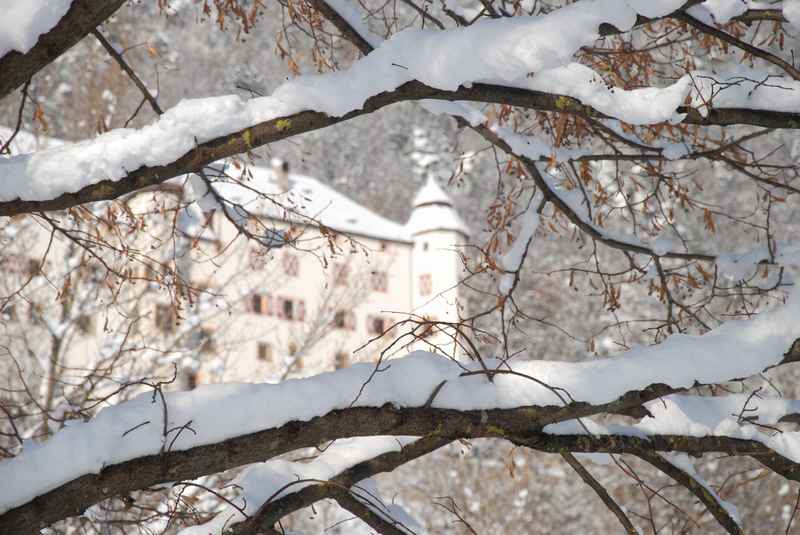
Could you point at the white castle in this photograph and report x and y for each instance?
(262, 312)
(322, 305)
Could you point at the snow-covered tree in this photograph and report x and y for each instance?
(632, 172)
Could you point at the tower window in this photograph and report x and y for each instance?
(425, 284)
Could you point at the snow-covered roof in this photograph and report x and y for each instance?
(431, 193)
(310, 198)
(307, 197)
(433, 210)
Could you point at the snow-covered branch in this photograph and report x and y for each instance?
(124, 448)
(35, 33)
(536, 72)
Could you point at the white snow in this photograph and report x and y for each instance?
(697, 416)
(791, 10)
(22, 22)
(217, 412)
(307, 198)
(511, 260)
(266, 482)
(655, 8)
(740, 265)
(442, 59)
(724, 10)
(740, 86)
(433, 210)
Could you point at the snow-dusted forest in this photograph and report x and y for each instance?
(624, 354)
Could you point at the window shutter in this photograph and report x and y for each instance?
(301, 310)
(279, 307)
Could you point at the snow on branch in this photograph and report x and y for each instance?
(35, 32)
(522, 396)
(413, 64)
(274, 489)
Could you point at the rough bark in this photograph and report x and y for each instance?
(82, 17)
(285, 127)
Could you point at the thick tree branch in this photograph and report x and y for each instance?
(74, 497)
(374, 520)
(717, 510)
(790, 69)
(286, 127)
(82, 17)
(271, 512)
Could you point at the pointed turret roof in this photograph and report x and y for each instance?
(433, 210)
(431, 193)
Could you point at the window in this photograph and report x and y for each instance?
(380, 281)
(165, 318)
(345, 319)
(32, 267)
(207, 344)
(342, 360)
(288, 309)
(384, 246)
(255, 304)
(425, 284)
(83, 323)
(191, 380)
(291, 265)
(376, 325)
(340, 319)
(257, 259)
(264, 352)
(261, 304)
(425, 246)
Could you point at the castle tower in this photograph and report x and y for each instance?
(439, 235)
